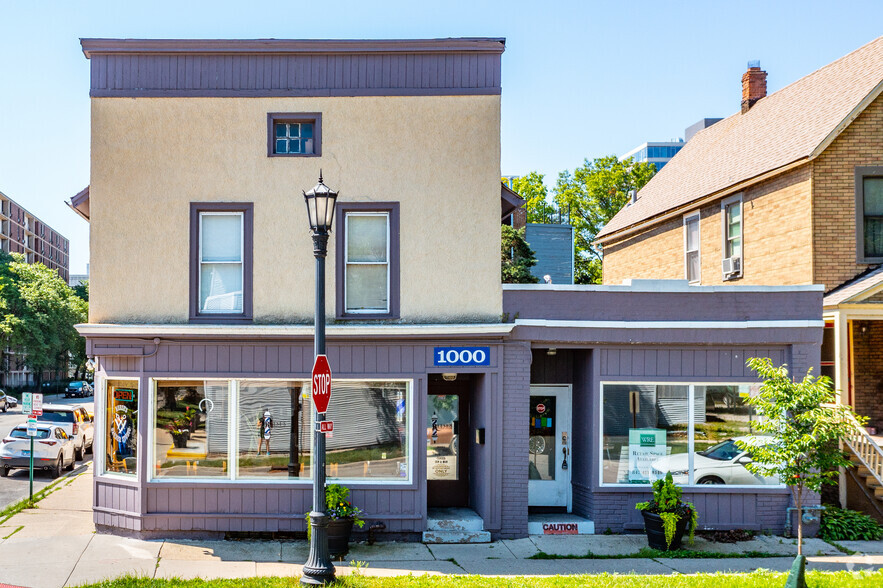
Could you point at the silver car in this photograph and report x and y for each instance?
(76, 422)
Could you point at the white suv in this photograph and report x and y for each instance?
(75, 421)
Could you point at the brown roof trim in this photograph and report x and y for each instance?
(629, 230)
(232, 46)
(509, 200)
(80, 203)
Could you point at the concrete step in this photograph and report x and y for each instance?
(453, 519)
(559, 524)
(456, 537)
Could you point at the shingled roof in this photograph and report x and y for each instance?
(796, 123)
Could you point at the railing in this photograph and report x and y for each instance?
(866, 450)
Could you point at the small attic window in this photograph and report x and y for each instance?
(294, 134)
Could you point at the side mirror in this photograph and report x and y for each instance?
(743, 460)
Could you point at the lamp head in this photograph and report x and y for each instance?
(320, 201)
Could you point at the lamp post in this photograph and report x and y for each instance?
(319, 570)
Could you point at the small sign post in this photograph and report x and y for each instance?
(26, 403)
(37, 409)
(32, 432)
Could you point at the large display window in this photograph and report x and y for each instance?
(689, 430)
(262, 430)
(121, 418)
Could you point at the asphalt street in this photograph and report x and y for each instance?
(15, 486)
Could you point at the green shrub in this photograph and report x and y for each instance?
(847, 525)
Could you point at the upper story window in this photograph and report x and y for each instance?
(294, 134)
(693, 267)
(220, 273)
(869, 214)
(368, 260)
(732, 237)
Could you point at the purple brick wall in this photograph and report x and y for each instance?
(516, 400)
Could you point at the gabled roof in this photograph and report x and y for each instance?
(80, 203)
(792, 125)
(509, 200)
(857, 289)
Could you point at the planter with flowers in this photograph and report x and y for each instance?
(342, 515)
(180, 431)
(667, 517)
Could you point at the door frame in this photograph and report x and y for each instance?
(564, 399)
(464, 390)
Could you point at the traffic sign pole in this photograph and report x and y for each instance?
(31, 473)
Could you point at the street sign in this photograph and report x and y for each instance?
(32, 427)
(26, 403)
(321, 386)
(326, 426)
(37, 409)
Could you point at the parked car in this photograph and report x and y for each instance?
(723, 463)
(12, 401)
(80, 388)
(53, 450)
(54, 387)
(5, 402)
(75, 421)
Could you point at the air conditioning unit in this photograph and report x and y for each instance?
(732, 267)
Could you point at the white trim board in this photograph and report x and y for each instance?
(791, 324)
(149, 330)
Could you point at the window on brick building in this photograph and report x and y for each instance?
(869, 214)
(731, 217)
(692, 262)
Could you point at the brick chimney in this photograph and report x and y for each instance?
(753, 85)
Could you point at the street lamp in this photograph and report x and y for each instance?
(319, 570)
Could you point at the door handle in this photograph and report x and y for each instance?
(564, 463)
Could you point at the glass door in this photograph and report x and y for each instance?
(549, 446)
(446, 456)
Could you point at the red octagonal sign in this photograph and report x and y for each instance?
(321, 391)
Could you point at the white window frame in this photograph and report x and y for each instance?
(725, 232)
(241, 262)
(347, 263)
(688, 218)
(691, 449)
(100, 424)
(233, 439)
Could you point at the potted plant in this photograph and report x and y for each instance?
(191, 415)
(342, 515)
(667, 517)
(180, 431)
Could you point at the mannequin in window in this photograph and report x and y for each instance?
(265, 429)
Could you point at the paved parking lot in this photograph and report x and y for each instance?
(15, 487)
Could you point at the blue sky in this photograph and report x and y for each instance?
(580, 79)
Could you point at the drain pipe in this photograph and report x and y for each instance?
(807, 516)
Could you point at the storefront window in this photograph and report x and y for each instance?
(191, 429)
(648, 430)
(370, 438)
(122, 427)
(266, 413)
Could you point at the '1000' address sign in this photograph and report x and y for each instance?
(459, 356)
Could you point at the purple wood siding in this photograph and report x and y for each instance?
(395, 74)
(690, 364)
(221, 506)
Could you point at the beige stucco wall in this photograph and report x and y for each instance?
(438, 156)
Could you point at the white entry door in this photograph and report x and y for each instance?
(549, 447)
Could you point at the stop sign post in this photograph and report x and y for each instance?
(321, 388)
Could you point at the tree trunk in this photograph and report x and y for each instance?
(799, 501)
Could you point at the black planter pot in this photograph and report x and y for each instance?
(656, 531)
(339, 531)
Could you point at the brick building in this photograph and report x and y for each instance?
(789, 190)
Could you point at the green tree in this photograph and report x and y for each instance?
(592, 194)
(82, 290)
(39, 311)
(516, 257)
(803, 424)
(533, 189)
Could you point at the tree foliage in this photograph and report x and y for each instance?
(590, 196)
(516, 257)
(802, 426)
(38, 311)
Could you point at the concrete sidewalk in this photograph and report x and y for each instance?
(56, 545)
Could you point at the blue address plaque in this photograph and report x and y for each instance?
(462, 356)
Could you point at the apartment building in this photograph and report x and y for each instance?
(450, 390)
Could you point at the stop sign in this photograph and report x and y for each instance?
(321, 391)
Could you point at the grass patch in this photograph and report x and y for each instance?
(17, 529)
(759, 579)
(648, 553)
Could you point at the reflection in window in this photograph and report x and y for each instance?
(191, 432)
(647, 432)
(273, 423)
(122, 426)
(443, 437)
(370, 438)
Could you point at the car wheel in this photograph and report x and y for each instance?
(56, 471)
(5, 407)
(710, 480)
(79, 451)
(4, 472)
(91, 447)
(71, 465)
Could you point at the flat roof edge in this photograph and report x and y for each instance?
(668, 286)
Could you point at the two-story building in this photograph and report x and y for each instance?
(524, 404)
(787, 191)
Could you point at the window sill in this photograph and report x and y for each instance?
(366, 316)
(294, 155)
(696, 489)
(221, 319)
